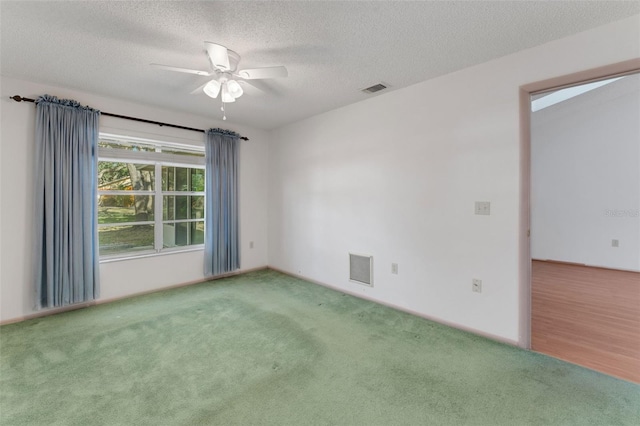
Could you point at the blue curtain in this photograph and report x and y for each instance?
(221, 246)
(66, 246)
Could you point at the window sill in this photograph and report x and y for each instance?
(119, 258)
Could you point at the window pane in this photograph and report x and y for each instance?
(131, 146)
(182, 179)
(168, 178)
(182, 182)
(197, 180)
(125, 239)
(176, 207)
(197, 232)
(125, 208)
(182, 152)
(120, 176)
(183, 234)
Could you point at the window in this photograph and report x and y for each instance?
(150, 196)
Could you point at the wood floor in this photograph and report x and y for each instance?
(588, 316)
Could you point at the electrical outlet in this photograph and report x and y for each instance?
(483, 208)
(476, 285)
(615, 243)
(394, 268)
(250, 244)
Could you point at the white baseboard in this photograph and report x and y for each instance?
(403, 309)
(54, 311)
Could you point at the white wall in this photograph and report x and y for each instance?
(396, 177)
(585, 189)
(127, 277)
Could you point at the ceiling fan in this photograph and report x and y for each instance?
(224, 69)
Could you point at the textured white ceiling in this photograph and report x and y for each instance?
(331, 49)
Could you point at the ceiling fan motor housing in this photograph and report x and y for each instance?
(234, 60)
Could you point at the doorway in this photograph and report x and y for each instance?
(584, 245)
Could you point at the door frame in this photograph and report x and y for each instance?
(631, 66)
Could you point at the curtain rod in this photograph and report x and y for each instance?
(142, 120)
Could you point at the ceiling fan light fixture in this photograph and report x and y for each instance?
(226, 96)
(212, 88)
(234, 88)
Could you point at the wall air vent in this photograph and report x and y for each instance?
(375, 88)
(361, 269)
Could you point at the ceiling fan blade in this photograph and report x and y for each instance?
(253, 87)
(178, 69)
(218, 55)
(267, 72)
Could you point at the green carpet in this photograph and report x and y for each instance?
(266, 348)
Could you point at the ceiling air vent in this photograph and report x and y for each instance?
(375, 88)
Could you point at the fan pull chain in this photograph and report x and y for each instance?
(224, 115)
